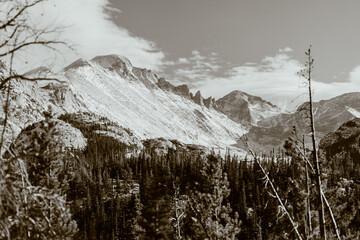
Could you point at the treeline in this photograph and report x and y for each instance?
(142, 196)
(182, 194)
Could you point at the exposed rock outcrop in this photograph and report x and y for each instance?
(340, 150)
(182, 90)
(198, 99)
(165, 85)
(210, 103)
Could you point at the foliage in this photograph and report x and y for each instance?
(28, 211)
(207, 214)
(35, 174)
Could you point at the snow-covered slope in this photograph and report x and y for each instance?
(353, 111)
(246, 109)
(29, 101)
(110, 86)
(133, 98)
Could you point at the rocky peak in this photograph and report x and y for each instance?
(182, 90)
(245, 108)
(165, 85)
(116, 63)
(78, 63)
(198, 99)
(210, 103)
(147, 77)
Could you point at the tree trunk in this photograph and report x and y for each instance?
(316, 159)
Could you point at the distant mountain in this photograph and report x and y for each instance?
(133, 98)
(149, 107)
(329, 115)
(246, 109)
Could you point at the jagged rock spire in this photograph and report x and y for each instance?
(198, 99)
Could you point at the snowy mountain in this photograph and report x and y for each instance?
(246, 109)
(140, 105)
(329, 115)
(133, 98)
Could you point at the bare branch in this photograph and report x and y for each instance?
(295, 226)
(305, 158)
(10, 37)
(22, 77)
(331, 215)
(30, 43)
(11, 20)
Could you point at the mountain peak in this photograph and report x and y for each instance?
(245, 108)
(198, 99)
(113, 61)
(78, 63)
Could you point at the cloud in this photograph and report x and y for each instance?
(194, 69)
(286, 50)
(183, 60)
(92, 33)
(274, 78)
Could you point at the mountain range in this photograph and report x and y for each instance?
(144, 106)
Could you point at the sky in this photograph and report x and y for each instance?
(255, 46)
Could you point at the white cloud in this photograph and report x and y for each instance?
(93, 33)
(275, 78)
(183, 60)
(286, 50)
(195, 52)
(195, 69)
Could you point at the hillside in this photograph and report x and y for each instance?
(133, 98)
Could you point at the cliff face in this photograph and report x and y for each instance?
(340, 150)
(246, 109)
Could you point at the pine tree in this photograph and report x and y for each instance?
(207, 216)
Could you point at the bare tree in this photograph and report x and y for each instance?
(302, 152)
(18, 35)
(27, 211)
(306, 73)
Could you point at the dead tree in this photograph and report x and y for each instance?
(307, 162)
(306, 73)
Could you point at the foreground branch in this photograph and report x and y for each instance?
(275, 192)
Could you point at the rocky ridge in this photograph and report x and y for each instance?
(134, 98)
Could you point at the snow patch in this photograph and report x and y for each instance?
(353, 111)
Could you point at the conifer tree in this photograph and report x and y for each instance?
(207, 215)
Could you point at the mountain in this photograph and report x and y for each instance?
(134, 98)
(144, 106)
(329, 115)
(246, 109)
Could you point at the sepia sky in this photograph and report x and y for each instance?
(256, 46)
